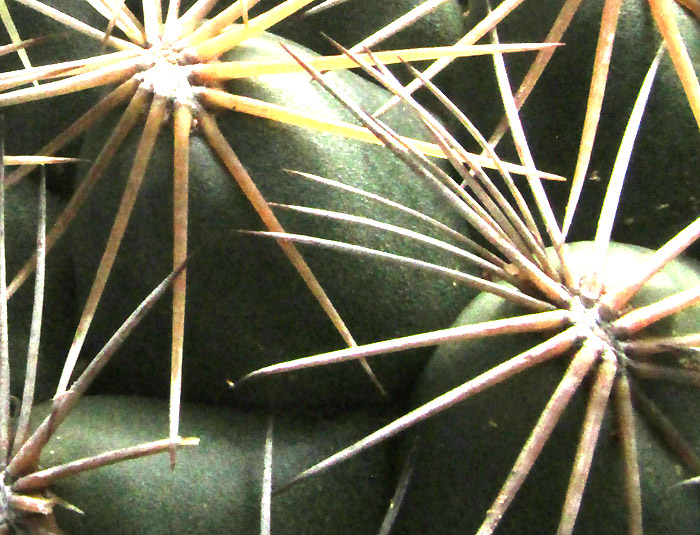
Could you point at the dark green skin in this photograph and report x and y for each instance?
(351, 22)
(58, 320)
(246, 306)
(31, 125)
(216, 486)
(465, 454)
(661, 194)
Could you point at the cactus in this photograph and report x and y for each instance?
(168, 71)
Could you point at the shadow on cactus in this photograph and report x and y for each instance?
(595, 364)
